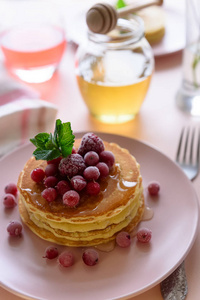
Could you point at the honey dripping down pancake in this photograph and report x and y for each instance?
(96, 219)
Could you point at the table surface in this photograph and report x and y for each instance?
(159, 123)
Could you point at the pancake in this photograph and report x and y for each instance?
(97, 219)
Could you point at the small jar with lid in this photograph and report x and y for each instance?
(114, 71)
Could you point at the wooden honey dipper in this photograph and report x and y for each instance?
(102, 17)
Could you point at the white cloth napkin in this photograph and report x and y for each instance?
(22, 115)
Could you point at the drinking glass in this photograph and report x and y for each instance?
(188, 97)
(32, 38)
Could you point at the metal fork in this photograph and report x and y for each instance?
(174, 287)
(187, 155)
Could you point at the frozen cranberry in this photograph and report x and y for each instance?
(14, 228)
(71, 198)
(51, 170)
(9, 201)
(91, 173)
(66, 259)
(107, 157)
(153, 188)
(51, 252)
(54, 161)
(78, 183)
(144, 235)
(49, 194)
(37, 175)
(51, 181)
(91, 158)
(90, 142)
(93, 188)
(123, 239)
(11, 188)
(90, 257)
(103, 169)
(62, 187)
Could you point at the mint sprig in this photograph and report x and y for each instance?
(120, 4)
(50, 146)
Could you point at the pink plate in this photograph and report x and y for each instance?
(121, 273)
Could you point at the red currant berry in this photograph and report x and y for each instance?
(71, 198)
(78, 183)
(54, 161)
(66, 259)
(37, 175)
(123, 239)
(90, 257)
(62, 187)
(11, 188)
(91, 173)
(103, 169)
(14, 228)
(51, 181)
(91, 158)
(107, 157)
(153, 188)
(49, 194)
(9, 201)
(51, 252)
(144, 235)
(51, 170)
(93, 188)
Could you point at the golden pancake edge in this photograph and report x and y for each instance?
(97, 219)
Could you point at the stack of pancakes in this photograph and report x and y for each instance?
(97, 219)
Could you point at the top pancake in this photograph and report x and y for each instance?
(120, 187)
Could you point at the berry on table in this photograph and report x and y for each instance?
(11, 188)
(90, 257)
(123, 239)
(37, 175)
(93, 188)
(49, 194)
(90, 142)
(14, 228)
(144, 235)
(9, 201)
(72, 165)
(66, 259)
(71, 198)
(153, 188)
(51, 252)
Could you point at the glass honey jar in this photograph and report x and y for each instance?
(114, 71)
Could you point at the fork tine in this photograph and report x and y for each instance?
(191, 146)
(198, 148)
(179, 145)
(186, 145)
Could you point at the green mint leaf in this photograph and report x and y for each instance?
(120, 4)
(65, 138)
(40, 140)
(50, 146)
(46, 154)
